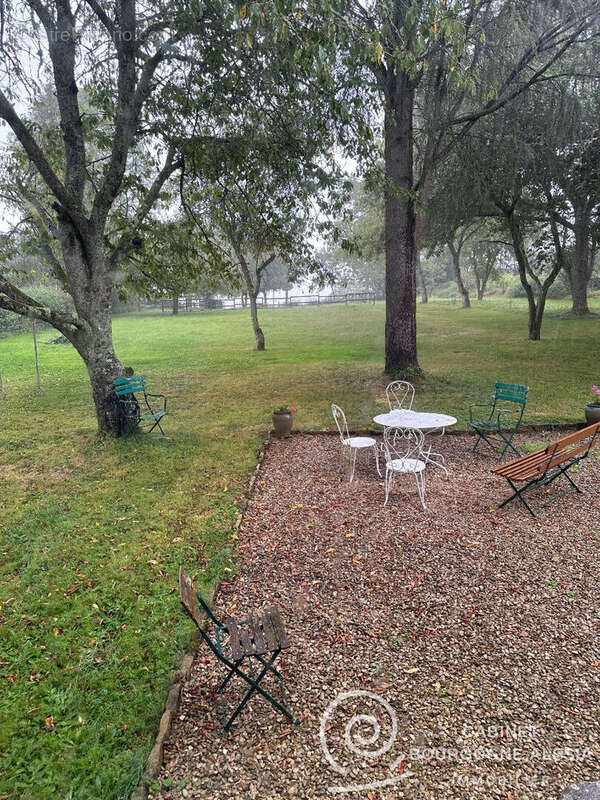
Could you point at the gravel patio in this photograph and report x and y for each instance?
(480, 628)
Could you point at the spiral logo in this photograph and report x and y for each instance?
(363, 736)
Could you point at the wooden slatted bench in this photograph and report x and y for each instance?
(545, 466)
(261, 637)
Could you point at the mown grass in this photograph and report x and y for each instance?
(91, 533)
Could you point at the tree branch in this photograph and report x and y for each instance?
(13, 299)
(126, 243)
(42, 165)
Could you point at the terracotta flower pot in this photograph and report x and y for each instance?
(283, 425)
(592, 413)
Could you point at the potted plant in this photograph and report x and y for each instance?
(592, 410)
(282, 421)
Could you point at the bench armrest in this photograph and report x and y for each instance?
(477, 405)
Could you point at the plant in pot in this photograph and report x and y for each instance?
(592, 410)
(282, 421)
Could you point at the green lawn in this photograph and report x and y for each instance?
(92, 532)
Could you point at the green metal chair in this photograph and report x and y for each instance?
(498, 428)
(132, 412)
(261, 637)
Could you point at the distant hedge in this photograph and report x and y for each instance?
(11, 324)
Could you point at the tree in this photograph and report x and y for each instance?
(507, 186)
(275, 184)
(481, 261)
(173, 260)
(105, 62)
(261, 216)
(573, 195)
(438, 67)
(538, 264)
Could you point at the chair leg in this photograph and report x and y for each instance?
(377, 459)
(353, 463)
(254, 687)
(507, 445)
(279, 677)
(420, 481)
(345, 459)
(159, 426)
(389, 480)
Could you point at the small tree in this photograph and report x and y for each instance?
(174, 260)
(481, 262)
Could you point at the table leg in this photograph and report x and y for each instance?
(434, 458)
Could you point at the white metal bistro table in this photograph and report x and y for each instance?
(418, 420)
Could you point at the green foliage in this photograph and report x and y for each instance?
(92, 533)
(174, 258)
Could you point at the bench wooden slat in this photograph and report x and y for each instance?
(578, 436)
(247, 644)
(528, 458)
(237, 650)
(257, 636)
(532, 459)
(278, 627)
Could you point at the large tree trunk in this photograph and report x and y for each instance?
(90, 287)
(259, 335)
(536, 316)
(400, 238)
(581, 269)
(94, 344)
(463, 291)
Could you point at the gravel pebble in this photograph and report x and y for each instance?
(479, 627)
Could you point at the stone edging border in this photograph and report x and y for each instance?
(155, 759)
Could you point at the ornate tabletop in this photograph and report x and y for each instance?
(419, 420)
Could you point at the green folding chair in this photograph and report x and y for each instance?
(260, 637)
(133, 412)
(502, 423)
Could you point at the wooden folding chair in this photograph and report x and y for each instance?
(261, 637)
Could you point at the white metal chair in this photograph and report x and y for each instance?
(352, 444)
(400, 394)
(403, 448)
